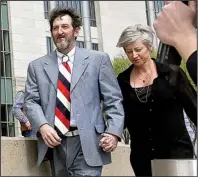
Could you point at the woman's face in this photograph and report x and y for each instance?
(137, 52)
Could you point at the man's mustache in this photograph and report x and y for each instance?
(61, 37)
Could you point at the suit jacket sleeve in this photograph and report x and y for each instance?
(17, 109)
(192, 66)
(112, 98)
(33, 107)
(187, 96)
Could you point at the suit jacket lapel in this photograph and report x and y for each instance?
(80, 63)
(51, 68)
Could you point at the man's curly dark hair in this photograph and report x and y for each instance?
(61, 11)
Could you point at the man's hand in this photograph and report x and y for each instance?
(49, 136)
(108, 142)
(174, 20)
(28, 125)
(174, 26)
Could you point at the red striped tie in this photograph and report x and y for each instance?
(62, 112)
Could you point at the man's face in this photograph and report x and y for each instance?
(63, 32)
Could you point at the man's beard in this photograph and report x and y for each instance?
(64, 45)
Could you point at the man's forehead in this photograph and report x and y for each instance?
(63, 18)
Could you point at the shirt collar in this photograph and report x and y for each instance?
(162, 69)
(70, 55)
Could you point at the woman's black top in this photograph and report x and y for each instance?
(192, 66)
(157, 127)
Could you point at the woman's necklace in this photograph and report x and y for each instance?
(143, 80)
(147, 78)
(138, 92)
(146, 96)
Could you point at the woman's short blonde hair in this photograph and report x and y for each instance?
(136, 32)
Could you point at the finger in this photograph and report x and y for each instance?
(107, 148)
(48, 144)
(114, 148)
(50, 139)
(102, 140)
(107, 140)
(105, 134)
(104, 145)
(110, 149)
(54, 141)
(57, 138)
(53, 136)
(115, 142)
(192, 5)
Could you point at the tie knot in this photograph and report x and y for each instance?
(65, 58)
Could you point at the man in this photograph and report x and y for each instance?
(18, 113)
(175, 25)
(63, 95)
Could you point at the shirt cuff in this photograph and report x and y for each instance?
(24, 119)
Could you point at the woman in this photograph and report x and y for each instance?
(154, 98)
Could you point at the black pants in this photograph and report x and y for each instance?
(141, 164)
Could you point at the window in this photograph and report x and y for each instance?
(46, 9)
(7, 120)
(80, 44)
(4, 16)
(147, 13)
(158, 6)
(77, 6)
(5, 39)
(94, 46)
(92, 14)
(49, 44)
(150, 13)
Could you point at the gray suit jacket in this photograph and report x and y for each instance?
(92, 81)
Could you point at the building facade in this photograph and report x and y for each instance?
(26, 36)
